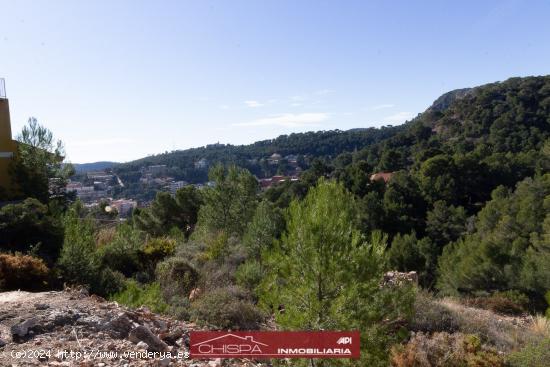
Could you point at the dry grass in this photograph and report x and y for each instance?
(445, 350)
(105, 235)
(22, 272)
(505, 333)
(540, 326)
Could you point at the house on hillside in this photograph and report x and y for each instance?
(275, 158)
(292, 159)
(385, 176)
(124, 206)
(266, 183)
(175, 186)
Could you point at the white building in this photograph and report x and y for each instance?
(201, 163)
(124, 206)
(175, 186)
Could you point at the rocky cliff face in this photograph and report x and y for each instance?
(71, 328)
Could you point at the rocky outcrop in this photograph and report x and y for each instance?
(396, 278)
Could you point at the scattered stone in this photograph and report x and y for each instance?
(142, 345)
(64, 318)
(22, 329)
(165, 362)
(161, 325)
(144, 334)
(396, 278)
(97, 298)
(173, 336)
(90, 323)
(121, 324)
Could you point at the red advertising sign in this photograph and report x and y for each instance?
(274, 344)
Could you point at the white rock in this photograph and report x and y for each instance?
(142, 345)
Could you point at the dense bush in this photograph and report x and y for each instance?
(508, 250)
(122, 252)
(167, 212)
(80, 262)
(29, 226)
(136, 295)
(176, 278)
(249, 275)
(499, 303)
(230, 204)
(327, 274)
(534, 355)
(407, 253)
(227, 308)
(155, 250)
(431, 316)
(22, 272)
(445, 350)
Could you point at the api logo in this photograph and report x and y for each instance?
(344, 340)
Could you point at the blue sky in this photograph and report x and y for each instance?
(118, 80)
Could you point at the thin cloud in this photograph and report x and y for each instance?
(399, 117)
(298, 97)
(253, 104)
(382, 106)
(224, 106)
(288, 120)
(322, 92)
(96, 142)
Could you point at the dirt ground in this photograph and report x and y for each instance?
(70, 328)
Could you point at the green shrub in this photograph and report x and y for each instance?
(498, 303)
(80, 262)
(217, 247)
(22, 272)
(534, 355)
(431, 316)
(520, 299)
(121, 253)
(179, 308)
(249, 275)
(176, 278)
(135, 295)
(109, 282)
(30, 225)
(227, 308)
(155, 250)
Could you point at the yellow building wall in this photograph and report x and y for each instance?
(8, 147)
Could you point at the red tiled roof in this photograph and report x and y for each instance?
(386, 176)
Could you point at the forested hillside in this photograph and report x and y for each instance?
(310, 144)
(462, 197)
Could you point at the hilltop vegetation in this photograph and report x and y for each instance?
(464, 202)
(181, 164)
(95, 166)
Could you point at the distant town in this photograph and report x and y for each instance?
(95, 188)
